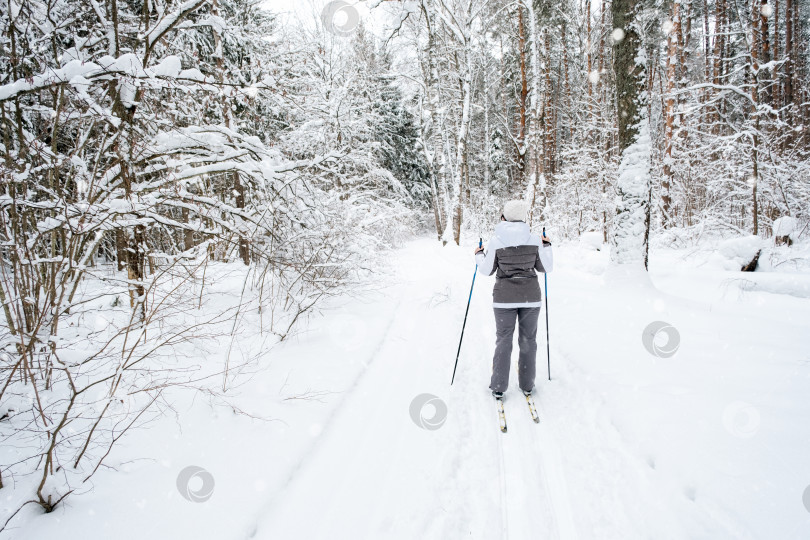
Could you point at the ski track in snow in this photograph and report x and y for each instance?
(554, 479)
(503, 497)
(355, 478)
(332, 420)
(525, 493)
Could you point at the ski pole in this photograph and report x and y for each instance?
(548, 342)
(480, 244)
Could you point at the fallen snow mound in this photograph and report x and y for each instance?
(591, 240)
(734, 253)
(785, 226)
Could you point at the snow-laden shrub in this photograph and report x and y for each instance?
(134, 171)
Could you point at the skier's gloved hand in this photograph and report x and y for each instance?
(478, 250)
(546, 239)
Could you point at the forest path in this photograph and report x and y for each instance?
(374, 473)
(708, 443)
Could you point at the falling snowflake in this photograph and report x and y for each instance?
(617, 35)
(767, 11)
(667, 26)
(593, 76)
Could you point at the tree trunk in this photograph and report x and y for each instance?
(685, 33)
(461, 155)
(244, 242)
(505, 109)
(707, 70)
(719, 52)
(433, 91)
(588, 50)
(632, 220)
(765, 51)
(777, 87)
(796, 58)
(669, 113)
(464, 69)
(524, 91)
(121, 248)
(754, 71)
(789, 9)
(238, 187)
(568, 99)
(135, 267)
(548, 126)
(535, 176)
(188, 234)
(487, 141)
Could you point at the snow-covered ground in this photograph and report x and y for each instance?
(709, 442)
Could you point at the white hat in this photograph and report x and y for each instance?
(515, 210)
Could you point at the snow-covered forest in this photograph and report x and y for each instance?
(187, 187)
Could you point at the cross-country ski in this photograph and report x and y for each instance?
(532, 409)
(501, 414)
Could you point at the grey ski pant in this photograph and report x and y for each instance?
(527, 341)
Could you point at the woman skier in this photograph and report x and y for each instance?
(515, 255)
